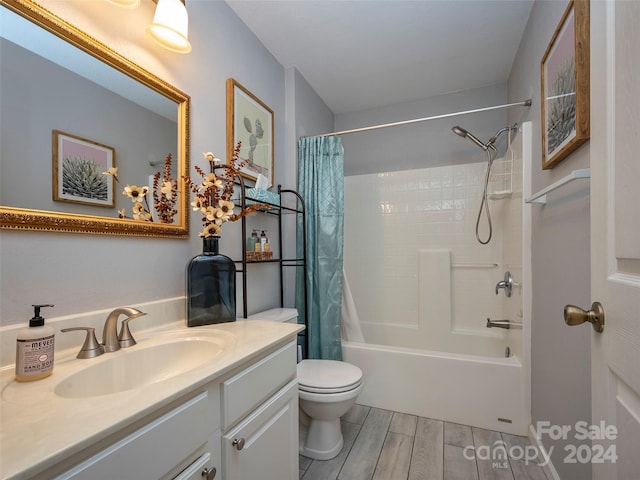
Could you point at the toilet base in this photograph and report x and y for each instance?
(322, 439)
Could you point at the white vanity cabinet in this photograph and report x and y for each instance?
(241, 426)
(260, 439)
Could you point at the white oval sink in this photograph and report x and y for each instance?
(127, 369)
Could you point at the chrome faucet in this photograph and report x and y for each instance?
(110, 340)
(507, 284)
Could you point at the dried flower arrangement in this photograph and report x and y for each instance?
(212, 197)
(164, 195)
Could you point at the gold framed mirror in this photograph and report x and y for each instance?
(116, 107)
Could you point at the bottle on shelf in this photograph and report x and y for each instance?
(251, 241)
(263, 240)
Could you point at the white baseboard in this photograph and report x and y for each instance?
(548, 469)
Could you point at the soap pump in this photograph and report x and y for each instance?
(34, 349)
(263, 241)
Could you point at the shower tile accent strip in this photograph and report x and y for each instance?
(384, 445)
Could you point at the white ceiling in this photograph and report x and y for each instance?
(360, 54)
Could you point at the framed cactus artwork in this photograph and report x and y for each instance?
(78, 166)
(565, 86)
(249, 121)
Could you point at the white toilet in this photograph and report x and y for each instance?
(327, 389)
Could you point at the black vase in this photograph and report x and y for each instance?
(211, 286)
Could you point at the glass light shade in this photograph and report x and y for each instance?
(170, 26)
(126, 3)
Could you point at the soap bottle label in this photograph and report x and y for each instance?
(34, 356)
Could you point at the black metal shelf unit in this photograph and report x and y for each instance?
(284, 262)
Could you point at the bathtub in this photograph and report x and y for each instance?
(485, 392)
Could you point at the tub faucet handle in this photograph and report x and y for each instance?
(507, 284)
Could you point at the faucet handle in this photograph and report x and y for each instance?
(91, 347)
(507, 284)
(124, 337)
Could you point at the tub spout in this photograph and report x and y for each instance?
(507, 324)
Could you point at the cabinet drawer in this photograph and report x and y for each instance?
(248, 389)
(198, 469)
(168, 440)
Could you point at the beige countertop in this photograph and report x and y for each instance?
(39, 428)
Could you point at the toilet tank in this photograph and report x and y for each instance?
(284, 315)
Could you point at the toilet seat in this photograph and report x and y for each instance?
(328, 376)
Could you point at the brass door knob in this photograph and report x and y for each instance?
(575, 316)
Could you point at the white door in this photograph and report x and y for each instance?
(615, 233)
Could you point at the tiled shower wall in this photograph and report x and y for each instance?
(391, 217)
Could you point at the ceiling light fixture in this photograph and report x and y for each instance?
(126, 3)
(170, 26)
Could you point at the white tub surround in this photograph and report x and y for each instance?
(483, 392)
(41, 430)
(425, 300)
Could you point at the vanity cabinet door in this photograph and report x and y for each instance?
(265, 444)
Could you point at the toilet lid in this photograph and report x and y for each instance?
(328, 376)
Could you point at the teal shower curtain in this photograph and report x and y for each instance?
(321, 185)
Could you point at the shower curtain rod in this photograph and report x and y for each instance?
(524, 103)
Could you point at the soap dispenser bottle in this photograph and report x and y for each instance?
(251, 241)
(34, 349)
(263, 241)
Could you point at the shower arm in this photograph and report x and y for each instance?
(492, 140)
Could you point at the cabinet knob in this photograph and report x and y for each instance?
(209, 473)
(238, 443)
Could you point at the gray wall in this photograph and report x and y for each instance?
(307, 115)
(312, 116)
(560, 355)
(422, 144)
(80, 273)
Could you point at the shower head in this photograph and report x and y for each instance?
(458, 130)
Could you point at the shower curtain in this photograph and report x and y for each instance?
(321, 185)
(351, 330)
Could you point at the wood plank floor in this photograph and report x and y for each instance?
(384, 445)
